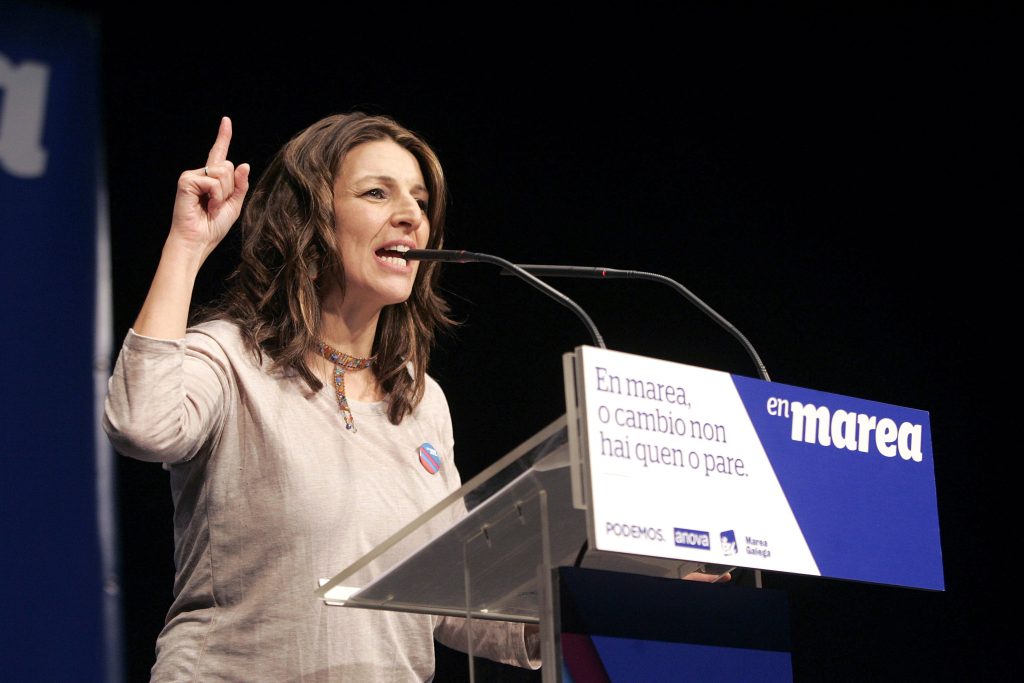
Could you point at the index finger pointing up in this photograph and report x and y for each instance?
(219, 151)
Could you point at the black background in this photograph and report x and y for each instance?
(837, 185)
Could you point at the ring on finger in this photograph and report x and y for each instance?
(206, 170)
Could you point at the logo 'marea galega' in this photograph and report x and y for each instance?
(728, 539)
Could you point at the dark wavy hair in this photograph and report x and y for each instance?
(288, 247)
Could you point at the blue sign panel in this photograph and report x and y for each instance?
(858, 476)
(53, 589)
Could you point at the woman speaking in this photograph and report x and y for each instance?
(292, 415)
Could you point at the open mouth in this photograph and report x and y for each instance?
(393, 254)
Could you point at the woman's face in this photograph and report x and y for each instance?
(380, 211)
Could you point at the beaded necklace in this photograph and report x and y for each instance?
(343, 362)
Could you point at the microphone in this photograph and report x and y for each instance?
(462, 256)
(610, 273)
(613, 273)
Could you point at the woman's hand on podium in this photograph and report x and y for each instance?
(708, 578)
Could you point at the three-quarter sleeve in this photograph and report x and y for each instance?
(166, 398)
(500, 641)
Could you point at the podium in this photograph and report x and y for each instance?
(542, 535)
(516, 535)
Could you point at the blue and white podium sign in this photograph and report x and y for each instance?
(687, 463)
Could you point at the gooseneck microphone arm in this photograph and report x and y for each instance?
(608, 273)
(459, 256)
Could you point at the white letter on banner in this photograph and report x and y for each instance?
(865, 425)
(910, 442)
(22, 115)
(810, 424)
(885, 435)
(844, 430)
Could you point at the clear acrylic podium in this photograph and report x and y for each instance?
(488, 550)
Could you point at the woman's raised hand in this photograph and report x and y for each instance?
(209, 199)
(208, 202)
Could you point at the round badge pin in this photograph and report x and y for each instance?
(429, 458)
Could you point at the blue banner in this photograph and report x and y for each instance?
(57, 622)
(858, 476)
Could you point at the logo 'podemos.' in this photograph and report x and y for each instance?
(651, 533)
